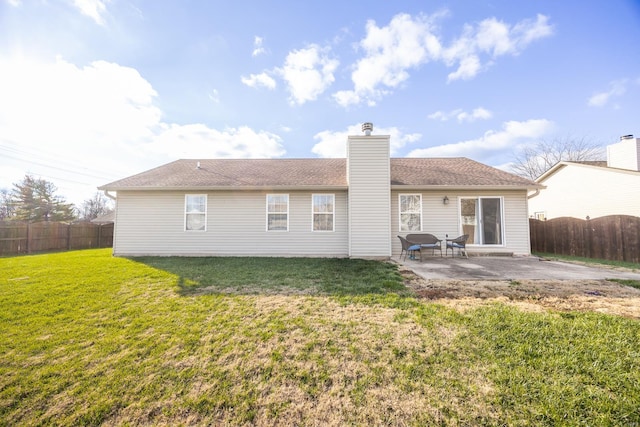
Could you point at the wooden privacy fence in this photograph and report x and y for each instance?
(615, 237)
(18, 237)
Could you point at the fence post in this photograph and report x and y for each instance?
(68, 237)
(28, 237)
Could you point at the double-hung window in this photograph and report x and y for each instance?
(482, 220)
(195, 212)
(323, 212)
(277, 212)
(410, 212)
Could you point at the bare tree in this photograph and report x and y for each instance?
(6, 207)
(94, 207)
(534, 160)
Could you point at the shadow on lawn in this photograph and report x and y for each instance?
(283, 276)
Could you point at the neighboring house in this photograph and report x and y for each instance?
(592, 189)
(105, 219)
(353, 207)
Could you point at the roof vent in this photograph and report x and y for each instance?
(367, 128)
(622, 138)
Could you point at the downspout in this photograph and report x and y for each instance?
(531, 196)
(106, 193)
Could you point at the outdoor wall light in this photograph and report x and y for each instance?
(445, 201)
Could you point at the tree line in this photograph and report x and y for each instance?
(36, 199)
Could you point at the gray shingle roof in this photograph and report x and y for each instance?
(317, 173)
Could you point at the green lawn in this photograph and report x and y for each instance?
(88, 339)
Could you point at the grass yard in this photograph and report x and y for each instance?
(88, 339)
(633, 266)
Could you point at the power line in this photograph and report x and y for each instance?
(44, 158)
(55, 167)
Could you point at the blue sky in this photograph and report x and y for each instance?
(95, 90)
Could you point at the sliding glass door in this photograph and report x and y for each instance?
(481, 219)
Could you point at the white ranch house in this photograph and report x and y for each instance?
(353, 207)
(592, 189)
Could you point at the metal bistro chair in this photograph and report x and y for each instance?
(409, 247)
(459, 243)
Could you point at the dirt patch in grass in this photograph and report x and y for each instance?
(535, 295)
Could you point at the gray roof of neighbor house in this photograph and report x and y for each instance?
(239, 174)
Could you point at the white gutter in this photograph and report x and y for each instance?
(531, 196)
(106, 193)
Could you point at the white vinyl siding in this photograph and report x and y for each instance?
(369, 180)
(277, 212)
(410, 212)
(195, 212)
(322, 212)
(152, 223)
(444, 220)
(581, 190)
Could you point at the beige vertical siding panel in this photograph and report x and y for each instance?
(152, 223)
(369, 196)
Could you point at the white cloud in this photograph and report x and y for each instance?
(492, 38)
(214, 96)
(334, 144)
(200, 141)
(258, 49)
(407, 42)
(94, 9)
(259, 80)
(81, 127)
(462, 116)
(60, 102)
(14, 3)
(477, 114)
(616, 88)
(308, 73)
(512, 133)
(390, 52)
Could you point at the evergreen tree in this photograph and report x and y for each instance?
(34, 199)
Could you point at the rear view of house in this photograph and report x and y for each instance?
(353, 207)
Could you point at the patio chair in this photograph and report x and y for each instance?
(459, 243)
(409, 247)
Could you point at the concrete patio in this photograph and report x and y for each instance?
(509, 268)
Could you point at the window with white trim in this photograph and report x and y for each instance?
(277, 212)
(410, 212)
(323, 211)
(482, 220)
(195, 212)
